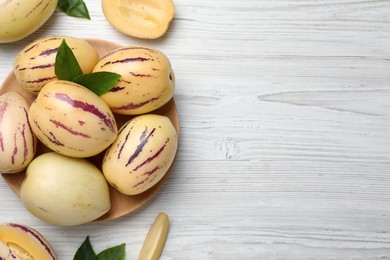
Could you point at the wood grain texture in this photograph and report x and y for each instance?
(284, 109)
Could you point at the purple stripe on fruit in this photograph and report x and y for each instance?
(32, 10)
(43, 66)
(40, 80)
(87, 108)
(59, 124)
(141, 75)
(15, 151)
(137, 59)
(27, 230)
(135, 106)
(117, 88)
(48, 52)
(124, 143)
(140, 146)
(3, 108)
(148, 173)
(152, 157)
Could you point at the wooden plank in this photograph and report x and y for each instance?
(285, 132)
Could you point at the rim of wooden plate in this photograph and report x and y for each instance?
(121, 204)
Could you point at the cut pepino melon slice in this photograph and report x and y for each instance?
(146, 19)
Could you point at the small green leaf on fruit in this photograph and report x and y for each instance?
(99, 82)
(66, 64)
(75, 8)
(113, 253)
(85, 251)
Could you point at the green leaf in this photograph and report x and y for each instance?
(67, 68)
(99, 82)
(66, 65)
(75, 8)
(85, 251)
(113, 253)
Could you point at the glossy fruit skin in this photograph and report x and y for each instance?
(72, 120)
(147, 19)
(141, 155)
(147, 82)
(64, 191)
(23, 242)
(17, 140)
(19, 19)
(34, 65)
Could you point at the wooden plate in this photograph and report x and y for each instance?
(120, 204)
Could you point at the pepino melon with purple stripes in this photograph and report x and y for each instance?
(34, 64)
(17, 141)
(72, 120)
(142, 154)
(147, 80)
(20, 18)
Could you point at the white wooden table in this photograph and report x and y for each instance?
(285, 132)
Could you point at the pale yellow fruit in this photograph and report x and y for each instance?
(64, 191)
(18, 19)
(156, 238)
(72, 120)
(34, 64)
(141, 155)
(25, 243)
(17, 140)
(148, 19)
(147, 80)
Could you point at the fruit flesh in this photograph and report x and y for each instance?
(147, 19)
(26, 242)
(7, 253)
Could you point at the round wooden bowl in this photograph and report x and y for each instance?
(120, 204)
